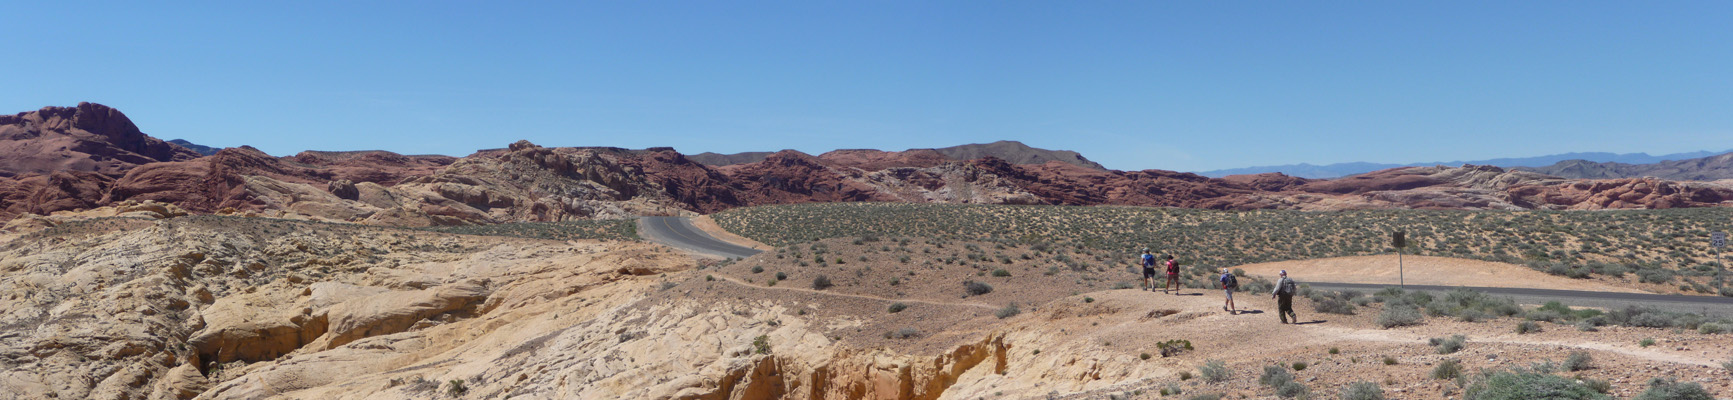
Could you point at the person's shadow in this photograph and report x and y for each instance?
(1315, 321)
(1188, 294)
(1248, 312)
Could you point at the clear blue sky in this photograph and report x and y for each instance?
(1134, 85)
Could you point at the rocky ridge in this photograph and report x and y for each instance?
(527, 182)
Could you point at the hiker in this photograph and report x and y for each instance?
(1172, 275)
(1284, 295)
(1148, 261)
(1229, 284)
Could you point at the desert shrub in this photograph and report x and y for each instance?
(1009, 311)
(1543, 367)
(1206, 396)
(821, 282)
(1447, 345)
(1646, 342)
(1587, 326)
(1727, 366)
(1184, 375)
(1292, 390)
(1527, 327)
(1655, 275)
(781, 276)
(1088, 299)
(667, 285)
(1274, 376)
(1334, 350)
(1471, 315)
(1171, 390)
(1447, 369)
(1333, 306)
(456, 388)
(1215, 371)
(1299, 366)
(1001, 273)
(1362, 391)
(1395, 315)
(1670, 389)
(976, 288)
(1173, 347)
(1599, 386)
(1388, 360)
(1521, 385)
(1578, 361)
(1121, 285)
(757, 269)
(761, 344)
(1144, 356)
(1710, 328)
(903, 333)
(897, 307)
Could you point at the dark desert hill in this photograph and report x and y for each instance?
(203, 150)
(1338, 170)
(1696, 169)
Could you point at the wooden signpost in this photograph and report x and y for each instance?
(1397, 240)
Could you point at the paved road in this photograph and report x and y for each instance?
(678, 232)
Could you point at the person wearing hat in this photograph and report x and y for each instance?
(1148, 261)
(1284, 295)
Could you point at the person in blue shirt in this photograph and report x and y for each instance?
(1148, 270)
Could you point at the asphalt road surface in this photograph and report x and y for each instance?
(678, 232)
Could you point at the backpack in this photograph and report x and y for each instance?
(1148, 261)
(1172, 267)
(1286, 287)
(1230, 282)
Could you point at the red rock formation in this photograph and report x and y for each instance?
(90, 137)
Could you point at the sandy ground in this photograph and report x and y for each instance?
(704, 223)
(1424, 270)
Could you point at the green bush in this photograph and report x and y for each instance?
(1362, 391)
(781, 276)
(1710, 328)
(757, 269)
(1214, 371)
(1001, 273)
(1292, 390)
(897, 307)
(1527, 327)
(1646, 342)
(1275, 375)
(1206, 396)
(1447, 369)
(761, 344)
(1332, 305)
(1009, 311)
(1448, 345)
(1299, 366)
(1578, 361)
(1670, 389)
(1388, 360)
(1523, 385)
(976, 288)
(1395, 315)
(821, 282)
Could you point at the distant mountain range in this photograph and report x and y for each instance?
(1694, 169)
(1008, 150)
(1344, 169)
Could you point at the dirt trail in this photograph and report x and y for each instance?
(737, 281)
(1379, 335)
(1425, 270)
